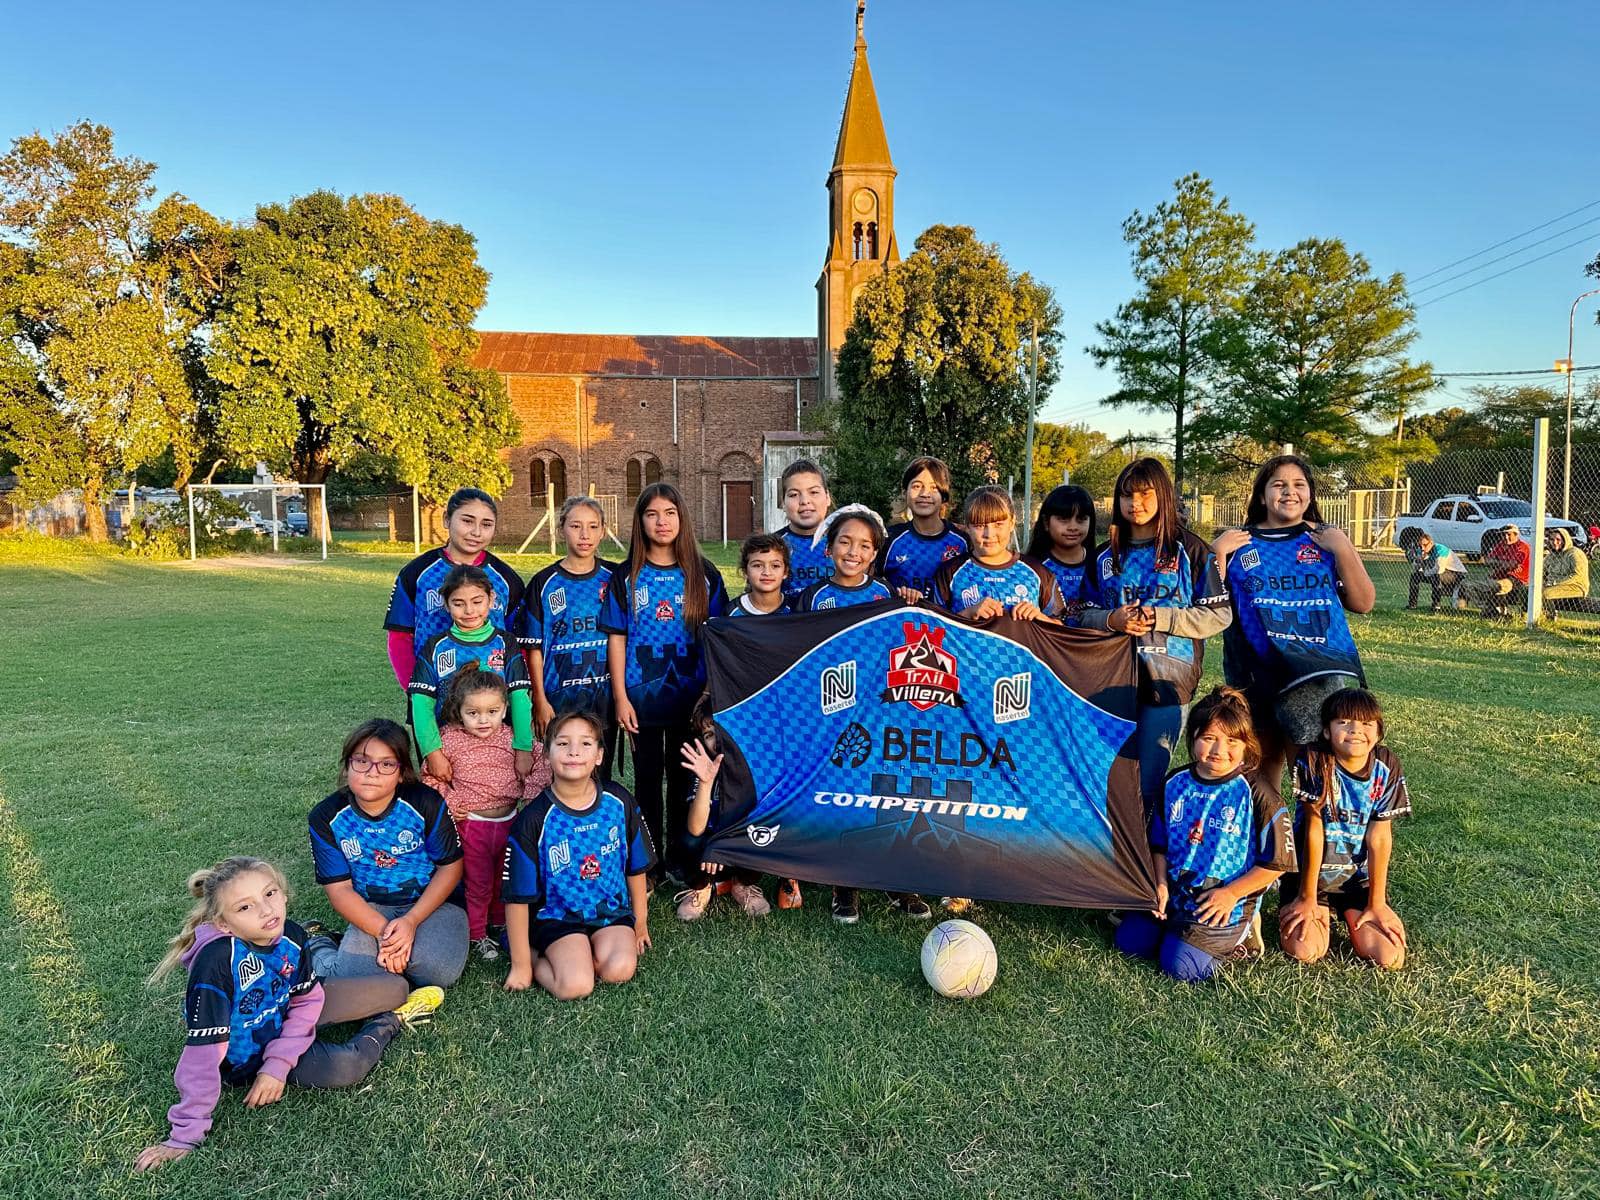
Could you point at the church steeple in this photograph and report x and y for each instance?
(861, 237)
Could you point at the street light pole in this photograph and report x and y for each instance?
(1566, 472)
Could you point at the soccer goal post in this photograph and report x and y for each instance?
(265, 509)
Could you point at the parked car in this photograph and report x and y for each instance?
(297, 523)
(1470, 524)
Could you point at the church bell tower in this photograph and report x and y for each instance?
(861, 239)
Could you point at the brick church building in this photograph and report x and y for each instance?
(719, 417)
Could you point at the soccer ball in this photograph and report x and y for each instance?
(958, 960)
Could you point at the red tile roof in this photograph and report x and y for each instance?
(686, 357)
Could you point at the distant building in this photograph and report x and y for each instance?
(718, 416)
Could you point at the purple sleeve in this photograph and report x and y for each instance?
(299, 1031)
(199, 1080)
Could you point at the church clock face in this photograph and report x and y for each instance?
(864, 202)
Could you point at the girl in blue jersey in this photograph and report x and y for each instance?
(1219, 840)
(652, 616)
(253, 1005)
(852, 536)
(1290, 578)
(1062, 538)
(992, 580)
(577, 901)
(558, 625)
(916, 548)
(416, 608)
(1348, 789)
(1156, 582)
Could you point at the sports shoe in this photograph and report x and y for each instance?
(693, 902)
(914, 906)
(748, 896)
(957, 906)
(420, 1006)
(1253, 941)
(846, 910)
(315, 928)
(789, 894)
(488, 949)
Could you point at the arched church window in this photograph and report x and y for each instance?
(872, 239)
(857, 242)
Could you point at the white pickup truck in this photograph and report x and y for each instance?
(1469, 524)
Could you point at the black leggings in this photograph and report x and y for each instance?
(345, 1064)
(658, 765)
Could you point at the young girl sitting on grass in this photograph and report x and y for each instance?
(577, 904)
(482, 792)
(701, 822)
(1219, 840)
(470, 641)
(253, 1005)
(852, 536)
(1348, 789)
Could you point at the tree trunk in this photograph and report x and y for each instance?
(94, 509)
(314, 467)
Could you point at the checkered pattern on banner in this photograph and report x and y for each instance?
(1020, 742)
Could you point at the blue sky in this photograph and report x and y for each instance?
(659, 167)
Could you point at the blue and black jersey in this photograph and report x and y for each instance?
(820, 597)
(560, 617)
(1169, 664)
(1212, 832)
(1377, 794)
(808, 564)
(910, 559)
(1069, 579)
(415, 602)
(239, 993)
(964, 582)
(1289, 625)
(666, 669)
(745, 607)
(389, 858)
(570, 865)
(444, 656)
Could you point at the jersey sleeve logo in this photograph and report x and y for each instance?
(922, 673)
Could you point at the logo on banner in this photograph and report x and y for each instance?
(1308, 554)
(922, 673)
(853, 745)
(1012, 697)
(558, 600)
(839, 688)
(1250, 560)
(763, 835)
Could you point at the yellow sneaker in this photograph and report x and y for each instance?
(420, 1006)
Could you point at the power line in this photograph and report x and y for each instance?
(1507, 271)
(1507, 241)
(1509, 254)
(1507, 374)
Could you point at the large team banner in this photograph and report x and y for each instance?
(889, 746)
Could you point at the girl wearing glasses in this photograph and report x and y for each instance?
(387, 854)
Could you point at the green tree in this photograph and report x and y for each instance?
(936, 362)
(101, 303)
(1192, 261)
(344, 335)
(1317, 349)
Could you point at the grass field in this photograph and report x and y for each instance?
(159, 717)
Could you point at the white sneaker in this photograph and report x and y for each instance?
(487, 949)
(749, 897)
(693, 902)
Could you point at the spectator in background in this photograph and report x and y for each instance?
(1439, 567)
(1566, 576)
(1507, 585)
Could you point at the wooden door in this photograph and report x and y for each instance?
(738, 511)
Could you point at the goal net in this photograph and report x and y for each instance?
(272, 512)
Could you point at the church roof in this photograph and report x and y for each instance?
(861, 138)
(686, 356)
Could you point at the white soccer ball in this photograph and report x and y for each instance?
(958, 960)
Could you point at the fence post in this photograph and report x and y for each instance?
(274, 520)
(1541, 453)
(323, 492)
(550, 513)
(191, 524)
(416, 520)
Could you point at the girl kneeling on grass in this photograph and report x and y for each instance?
(253, 1005)
(1348, 789)
(577, 905)
(1219, 839)
(482, 792)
